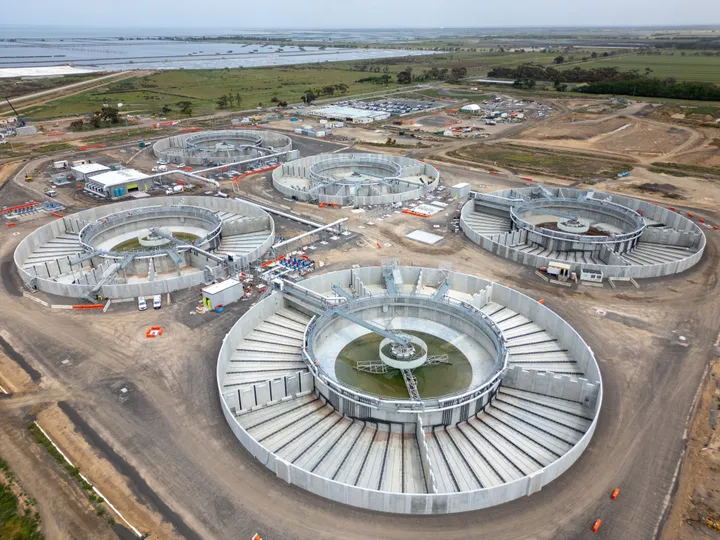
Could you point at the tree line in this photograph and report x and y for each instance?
(311, 94)
(652, 87)
(452, 75)
(573, 75)
(608, 80)
(229, 100)
(707, 43)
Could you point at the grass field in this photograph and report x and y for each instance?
(18, 519)
(148, 95)
(672, 64)
(19, 87)
(686, 169)
(535, 161)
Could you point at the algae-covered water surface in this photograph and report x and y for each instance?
(433, 381)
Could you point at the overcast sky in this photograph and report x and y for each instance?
(244, 14)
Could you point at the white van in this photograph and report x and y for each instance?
(142, 305)
(157, 301)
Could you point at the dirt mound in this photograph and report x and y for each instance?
(666, 190)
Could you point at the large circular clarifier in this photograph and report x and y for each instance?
(433, 380)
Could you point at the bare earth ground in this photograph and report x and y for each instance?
(64, 510)
(100, 472)
(168, 432)
(174, 465)
(579, 131)
(698, 494)
(701, 192)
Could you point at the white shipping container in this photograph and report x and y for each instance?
(319, 133)
(222, 293)
(591, 275)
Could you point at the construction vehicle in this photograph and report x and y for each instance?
(28, 177)
(20, 121)
(709, 522)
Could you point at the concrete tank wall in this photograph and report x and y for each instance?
(433, 502)
(75, 222)
(302, 169)
(172, 149)
(501, 245)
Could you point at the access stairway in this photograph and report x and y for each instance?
(272, 350)
(530, 346)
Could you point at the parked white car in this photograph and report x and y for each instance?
(142, 305)
(157, 301)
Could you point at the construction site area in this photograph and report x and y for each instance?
(455, 319)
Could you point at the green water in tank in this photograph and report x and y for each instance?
(134, 244)
(433, 381)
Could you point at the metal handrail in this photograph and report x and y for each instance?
(191, 141)
(318, 168)
(92, 229)
(608, 207)
(496, 198)
(486, 325)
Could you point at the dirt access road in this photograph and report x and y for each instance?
(40, 98)
(167, 436)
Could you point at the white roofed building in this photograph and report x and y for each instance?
(84, 171)
(472, 108)
(350, 114)
(120, 183)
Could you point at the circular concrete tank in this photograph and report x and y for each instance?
(210, 148)
(524, 417)
(601, 233)
(362, 179)
(97, 252)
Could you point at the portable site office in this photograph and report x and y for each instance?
(222, 293)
